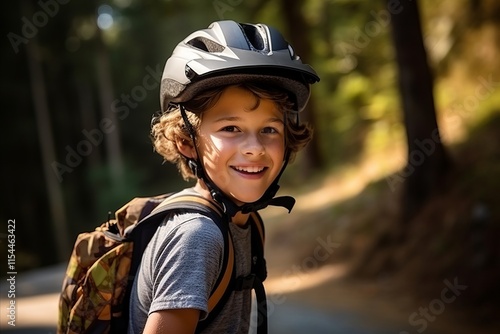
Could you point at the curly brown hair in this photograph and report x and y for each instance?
(168, 127)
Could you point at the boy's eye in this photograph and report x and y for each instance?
(269, 130)
(230, 128)
(266, 130)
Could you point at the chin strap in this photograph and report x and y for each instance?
(284, 201)
(266, 200)
(228, 205)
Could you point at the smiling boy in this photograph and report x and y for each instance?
(242, 144)
(230, 100)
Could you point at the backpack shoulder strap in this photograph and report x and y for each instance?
(196, 203)
(259, 270)
(258, 223)
(258, 239)
(143, 231)
(189, 202)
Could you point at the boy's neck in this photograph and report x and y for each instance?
(239, 219)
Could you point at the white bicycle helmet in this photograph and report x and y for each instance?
(228, 53)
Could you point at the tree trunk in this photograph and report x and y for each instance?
(297, 32)
(112, 139)
(88, 119)
(427, 159)
(45, 137)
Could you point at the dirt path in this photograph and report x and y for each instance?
(289, 312)
(319, 302)
(37, 297)
(364, 306)
(310, 303)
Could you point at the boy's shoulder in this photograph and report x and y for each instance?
(188, 226)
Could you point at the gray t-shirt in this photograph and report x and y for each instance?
(179, 269)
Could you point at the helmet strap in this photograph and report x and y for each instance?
(195, 167)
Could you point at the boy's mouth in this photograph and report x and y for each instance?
(249, 169)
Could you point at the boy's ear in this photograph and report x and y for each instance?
(186, 148)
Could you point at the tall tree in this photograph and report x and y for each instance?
(46, 139)
(427, 161)
(106, 93)
(297, 28)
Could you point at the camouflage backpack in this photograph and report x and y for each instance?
(98, 280)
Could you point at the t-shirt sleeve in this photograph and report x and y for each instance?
(187, 265)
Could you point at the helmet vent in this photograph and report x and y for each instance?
(254, 36)
(205, 44)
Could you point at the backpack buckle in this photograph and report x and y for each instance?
(245, 282)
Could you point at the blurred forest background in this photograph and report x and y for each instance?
(403, 173)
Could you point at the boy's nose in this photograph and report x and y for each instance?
(253, 146)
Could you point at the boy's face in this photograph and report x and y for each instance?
(242, 146)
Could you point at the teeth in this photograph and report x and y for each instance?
(252, 169)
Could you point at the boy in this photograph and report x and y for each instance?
(230, 97)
